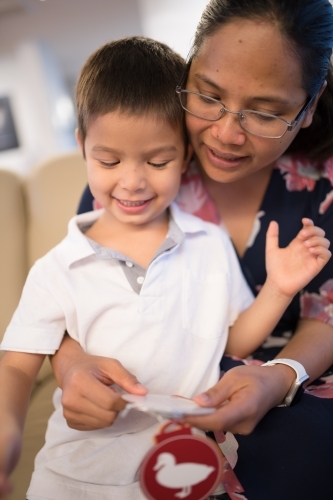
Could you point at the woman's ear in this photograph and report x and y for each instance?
(309, 114)
(187, 158)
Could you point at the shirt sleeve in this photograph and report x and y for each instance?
(38, 324)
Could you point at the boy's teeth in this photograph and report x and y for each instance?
(131, 203)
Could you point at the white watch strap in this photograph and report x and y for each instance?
(301, 377)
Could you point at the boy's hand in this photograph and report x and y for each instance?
(10, 446)
(290, 269)
(5, 487)
(88, 399)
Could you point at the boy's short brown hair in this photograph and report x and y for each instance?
(135, 75)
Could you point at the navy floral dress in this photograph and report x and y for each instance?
(290, 453)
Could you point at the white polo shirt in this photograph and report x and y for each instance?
(171, 335)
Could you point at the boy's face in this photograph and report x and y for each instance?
(134, 165)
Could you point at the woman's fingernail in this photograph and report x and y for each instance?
(204, 398)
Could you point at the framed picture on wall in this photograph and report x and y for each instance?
(8, 136)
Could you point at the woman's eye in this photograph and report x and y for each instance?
(206, 99)
(107, 164)
(158, 165)
(263, 117)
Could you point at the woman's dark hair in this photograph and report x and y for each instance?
(308, 26)
(136, 75)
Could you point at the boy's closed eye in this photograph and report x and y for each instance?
(158, 164)
(108, 164)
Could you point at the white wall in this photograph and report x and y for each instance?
(73, 28)
(41, 106)
(171, 21)
(43, 47)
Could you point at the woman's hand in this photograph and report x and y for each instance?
(293, 267)
(242, 397)
(89, 400)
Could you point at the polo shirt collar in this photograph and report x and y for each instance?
(76, 246)
(188, 223)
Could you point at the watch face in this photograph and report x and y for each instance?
(166, 406)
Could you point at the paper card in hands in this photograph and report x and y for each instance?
(166, 406)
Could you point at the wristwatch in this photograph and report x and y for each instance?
(301, 377)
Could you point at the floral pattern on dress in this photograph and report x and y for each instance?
(96, 205)
(193, 197)
(300, 173)
(255, 229)
(328, 170)
(326, 203)
(319, 306)
(322, 390)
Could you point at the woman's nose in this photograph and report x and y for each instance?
(228, 129)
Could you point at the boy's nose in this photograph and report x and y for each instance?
(132, 179)
(228, 130)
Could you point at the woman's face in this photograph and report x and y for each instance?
(246, 65)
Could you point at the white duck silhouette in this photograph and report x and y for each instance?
(184, 475)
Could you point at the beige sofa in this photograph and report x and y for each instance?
(34, 212)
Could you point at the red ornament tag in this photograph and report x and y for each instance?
(181, 465)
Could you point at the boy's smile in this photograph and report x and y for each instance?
(134, 166)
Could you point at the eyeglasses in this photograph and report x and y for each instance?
(254, 122)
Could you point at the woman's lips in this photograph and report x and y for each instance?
(224, 160)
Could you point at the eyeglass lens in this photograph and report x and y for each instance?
(261, 124)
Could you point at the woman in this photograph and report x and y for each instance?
(264, 154)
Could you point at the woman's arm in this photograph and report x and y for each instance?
(88, 400)
(18, 373)
(311, 345)
(246, 393)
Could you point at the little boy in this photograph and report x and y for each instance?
(137, 280)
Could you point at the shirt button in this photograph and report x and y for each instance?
(129, 263)
(140, 280)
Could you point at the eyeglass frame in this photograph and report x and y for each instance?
(290, 125)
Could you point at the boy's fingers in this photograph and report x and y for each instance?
(313, 231)
(307, 222)
(89, 398)
(272, 236)
(321, 253)
(111, 371)
(5, 487)
(124, 379)
(317, 242)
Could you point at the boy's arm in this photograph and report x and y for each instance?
(288, 271)
(18, 372)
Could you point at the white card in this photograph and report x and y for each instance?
(166, 406)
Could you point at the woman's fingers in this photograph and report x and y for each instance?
(272, 236)
(242, 397)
